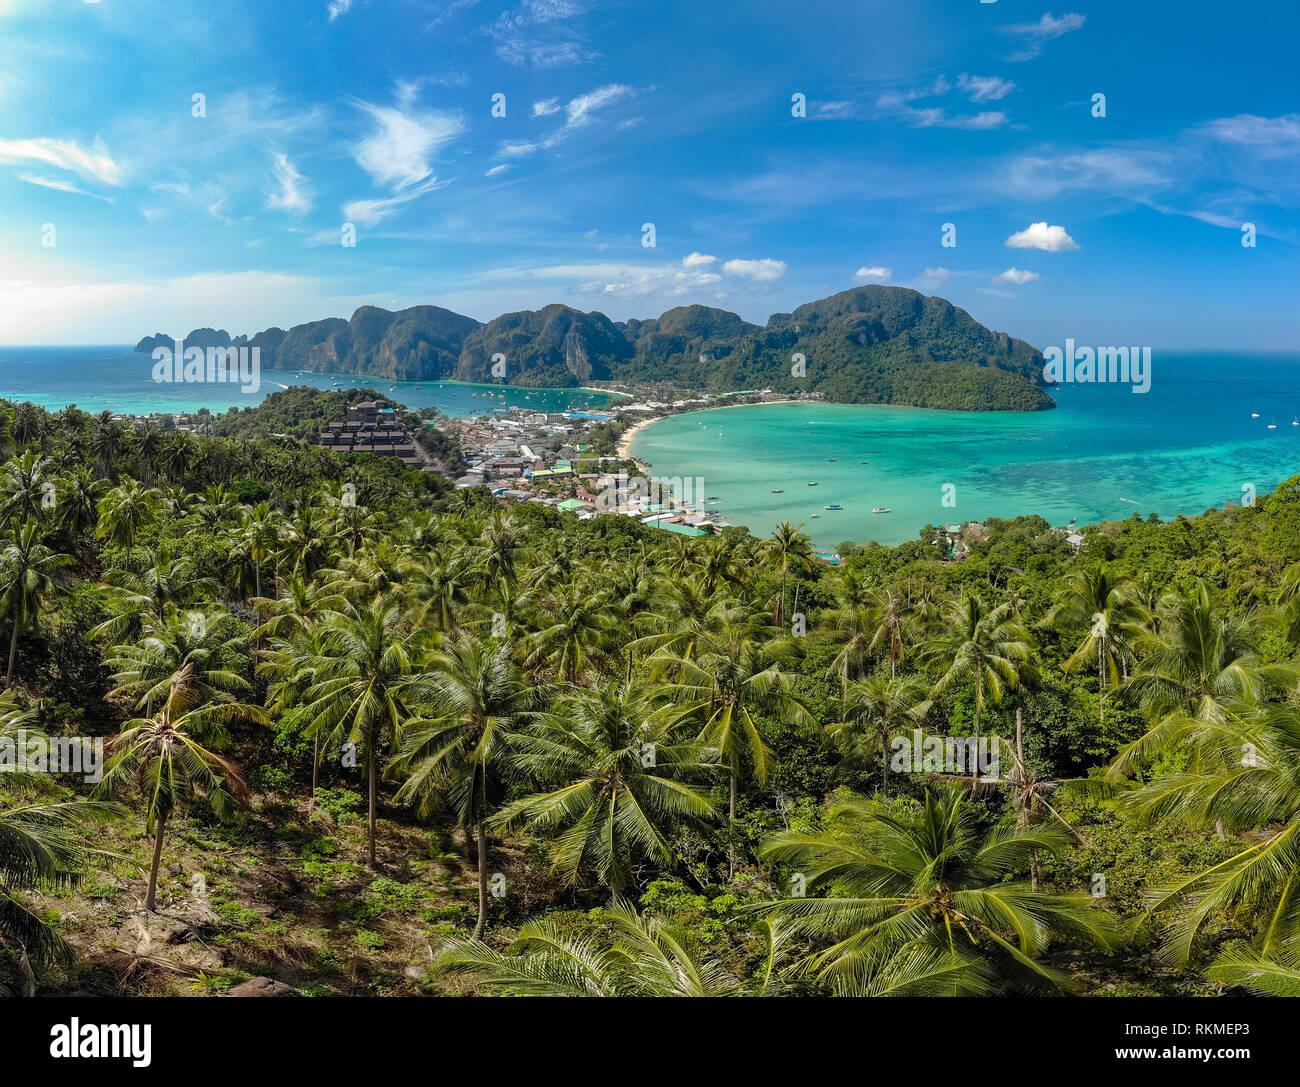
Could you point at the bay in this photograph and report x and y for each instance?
(1188, 444)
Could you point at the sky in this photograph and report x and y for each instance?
(166, 166)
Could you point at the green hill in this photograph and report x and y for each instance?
(869, 345)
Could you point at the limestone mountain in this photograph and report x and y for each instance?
(873, 344)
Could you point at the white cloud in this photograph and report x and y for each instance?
(400, 150)
(546, 107)
(1050, 239)
(534, 35)
(1016, 276)
(695, 260)
(1269, 135)
(1036, 35)
(500, 169)
(935, 275)
(578, 113)
(93, 165)
(292, 195)
(897, 105)
(761, 271)
(338, 7)
(370, 212)
(985, 88)
(874, 272)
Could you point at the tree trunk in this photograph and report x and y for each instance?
(13, 653)
(731, 827)
(151, 896)
(482, 881)
(374, 769)
(257, 577)
(315, 773)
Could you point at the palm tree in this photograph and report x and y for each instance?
(177, 643)
(107, 441)
(43, 847)
(177, 455)
(1095, 602)
(927, 904)
(459, 754)
(615, 775)
(163, 756)
(256, 538)
(124, 511)
(364, 686)
(1200, 669)
(731, 674)
(874, 709)
(79, 502)
(577, 630)
(790, 549)
(25, 489)
(27, 572)
(980, 645)
(162, 581)
(896, 621)
(640, 956)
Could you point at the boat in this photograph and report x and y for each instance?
(836, 506)
(1254, 415)
(816, 515)
(1272, 426)
(832, 459)
(1295, 421)
(882, 509)
(713, 498)
(779, 490)
(812, 484)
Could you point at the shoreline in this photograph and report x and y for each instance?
(624, 447)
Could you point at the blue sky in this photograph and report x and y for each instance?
(1122, 229)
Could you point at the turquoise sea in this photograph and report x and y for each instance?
(120, 380)
(1188, 444)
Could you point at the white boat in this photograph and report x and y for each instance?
(1295, 421)
(1272, 426)
(1254, 415)
(882, 509)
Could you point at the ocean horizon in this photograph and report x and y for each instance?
(116, 378)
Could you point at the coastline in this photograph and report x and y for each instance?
(624, 447)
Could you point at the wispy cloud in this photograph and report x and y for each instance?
(93, 165)
(535, 35)
(1034, 36)
(399, 151)
(984, 88)
(291, 194)
(1016, 276)
(338, 7)
(578, 113)
(900, 104)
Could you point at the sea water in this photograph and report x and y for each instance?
(1188, 444)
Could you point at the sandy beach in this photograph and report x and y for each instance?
(624, 448)
(625, 442)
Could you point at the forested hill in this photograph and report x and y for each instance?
(869, 345)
